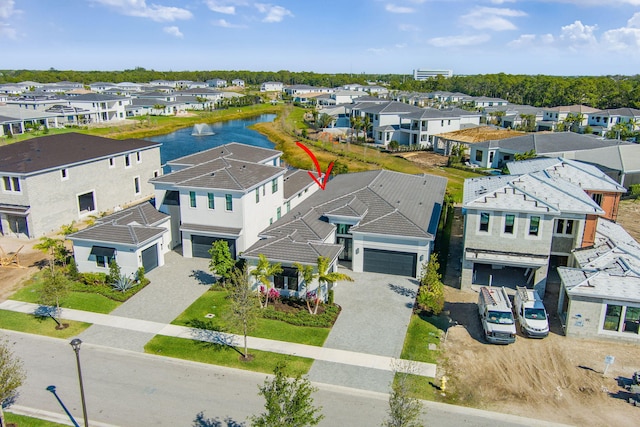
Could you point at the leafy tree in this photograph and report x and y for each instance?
(55, 248)
(393, 145)
(12, 375)
(431, 292)
(55, 287)
(114, 271)
(221, 261)
(404, 410)
(528, 122)
(325, 278)
(324, 121)
(262, 274)
(288, 402)
(67, 229)
(244, 304)
(531, 154)
(339, 168)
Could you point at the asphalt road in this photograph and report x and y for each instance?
(124, 388)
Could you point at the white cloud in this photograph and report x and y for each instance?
(531, 40)
(622, 39)
(7, 31)
(377, 50)
(491, 18)
(578, 34)
(6, 8)
(398, 9)
(226, 24)
(634, 21)
(453, 41)
(174, 31)
(600, 3)
(273, 13)
(228, 7)
(502, 1)
(139, 9)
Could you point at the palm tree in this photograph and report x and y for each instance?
(263, 273)
(356, 124)
(366, 126)
(306, 271)
(325, 278)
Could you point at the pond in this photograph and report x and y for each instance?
(182, 143)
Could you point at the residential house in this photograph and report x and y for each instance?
(296, 90)
(135, 237)
(554, 115)
(100, 107)
(496, 153)
(605, 120)
(15, 120)
(230, 193)
(271, 87)
(600, 291)
(385, 118)
(421, 126)
(621, 162)
(517, 227)
(483, 101)
(101, 86)
(376, 221)
(237, 82)
(53, 180)
(217, 83)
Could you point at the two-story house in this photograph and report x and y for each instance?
(53, 180)
(100, 107)
(421, 126)
(230, 193)
(605, 120)
(271, 87)
(523, 224)
(376, 221)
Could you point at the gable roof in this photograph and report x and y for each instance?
(55, 151)
(291, 249)
(232, 150)
(549, 142)
(624, 158)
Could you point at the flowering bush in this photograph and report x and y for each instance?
(274, 294)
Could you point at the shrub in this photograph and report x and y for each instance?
(634, 190)
(123, 283)
(94, 278)
(140, 275)
(114, 271)
(302, 317)
(330, 297)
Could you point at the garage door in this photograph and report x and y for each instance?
(200, 246)
(390, 262)
(150, 258)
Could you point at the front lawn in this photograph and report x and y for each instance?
(420, 387)
(24, 421)
(423, 330)
(197, 351)
(215, 302)
(23, 322)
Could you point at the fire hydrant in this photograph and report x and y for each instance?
(443, 383)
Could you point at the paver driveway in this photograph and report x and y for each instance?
(376, 310)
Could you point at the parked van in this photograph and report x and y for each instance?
(531, 314)
(496, 316)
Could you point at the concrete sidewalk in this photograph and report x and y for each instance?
(342, 357)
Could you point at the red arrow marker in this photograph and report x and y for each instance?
(320, 180)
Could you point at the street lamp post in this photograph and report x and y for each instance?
(75, 344)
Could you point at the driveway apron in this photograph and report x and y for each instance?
(376, 310)
(174, 287)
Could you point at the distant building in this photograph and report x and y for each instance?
(425, 73)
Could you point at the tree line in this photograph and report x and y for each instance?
(537, 90)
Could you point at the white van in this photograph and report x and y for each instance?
(531, 314)
(494, 309)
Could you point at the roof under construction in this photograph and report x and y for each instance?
(479, 134)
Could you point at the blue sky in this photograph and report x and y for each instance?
(558, 37)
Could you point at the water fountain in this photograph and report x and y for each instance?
(202, 129)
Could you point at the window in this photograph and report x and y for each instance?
(478, 155)
(484, 221)
(136, 184)
(270, 221)
(156, 174)
(278, 213)
(597, 197)
(257, 195)
(264, 189)
(210, 200)
(64, 174)
(534, 225)
(343, 228)
(288, 279)
(86, 203)
(127, 160)
(612, 317)
(103, 261)
(229, 201)
(11, 183)
(509, 220)
(564, 226)
(138, 157)
(288, 206)
(112, 162)
(274, 185)
(631, 320)
(192, 199)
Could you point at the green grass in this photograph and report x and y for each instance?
(76, 300)
(24, 421)
(31, 324)
(420, 387)
(423, 330)
(215, 302)
(197, 351)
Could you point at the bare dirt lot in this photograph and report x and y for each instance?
(29, 259)
(557, 378)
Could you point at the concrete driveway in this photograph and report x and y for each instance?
(376, 310)
(173, 288)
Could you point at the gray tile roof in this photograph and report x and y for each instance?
(390, 107)
(55, 151)
(295, 181)
(233, 150)
(290, 249)
(133, 226)
(222, 174)
(552, 142)
(211, 229)
(95, 97)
